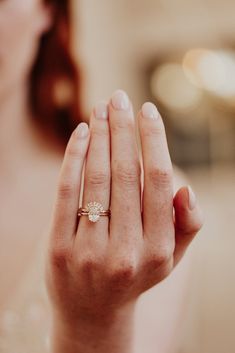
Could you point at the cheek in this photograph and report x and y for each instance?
(17, 37)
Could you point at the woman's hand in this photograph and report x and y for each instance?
(96, 271)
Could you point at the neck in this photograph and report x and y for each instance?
(14, 119)
(18, 135)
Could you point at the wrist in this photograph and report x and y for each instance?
(98, 333)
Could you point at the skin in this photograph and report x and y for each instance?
(96, 272)
(127, 255)
(21, 25)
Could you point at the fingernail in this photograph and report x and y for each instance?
(120, 100)
(101, 110)
(82, 130)
(149, 111)
(191, 198)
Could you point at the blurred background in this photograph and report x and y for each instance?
(181, 55)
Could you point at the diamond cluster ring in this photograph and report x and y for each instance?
(93, 210)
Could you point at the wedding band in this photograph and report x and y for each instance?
(93, 210)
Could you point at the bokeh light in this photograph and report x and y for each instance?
(170, 85)
(213, 71)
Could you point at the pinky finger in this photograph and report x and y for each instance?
(188, 220)
(64, 220)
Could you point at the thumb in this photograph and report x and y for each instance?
(188, 220)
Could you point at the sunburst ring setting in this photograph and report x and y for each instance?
(93, 210)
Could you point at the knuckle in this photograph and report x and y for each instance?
(160, 257)
(122, 273)
(87, 264)
(98, 178)
(100, 131)
(59, 256)
(153, 130)
(160, 177)
(65, 190)
(73, 151)
(120, 125)
(191, 228)
(127, 173)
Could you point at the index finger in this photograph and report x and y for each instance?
(64, 221)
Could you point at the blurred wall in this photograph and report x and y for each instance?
(116, 38)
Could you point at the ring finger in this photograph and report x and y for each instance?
(97, 174)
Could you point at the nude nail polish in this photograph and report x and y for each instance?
(149, 111)
(101, 110)
(120, 100)
(191, 198)
(82, 130)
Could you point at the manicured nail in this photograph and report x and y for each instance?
(191, 198)
(82, 130)
(120, 100)
(149, 111)
(101, 110)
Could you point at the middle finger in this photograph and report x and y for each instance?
(125, 166)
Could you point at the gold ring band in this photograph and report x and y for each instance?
(84, 212)
(93, 211)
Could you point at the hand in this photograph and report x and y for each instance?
(95, 270)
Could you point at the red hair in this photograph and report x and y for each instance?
(55, 80)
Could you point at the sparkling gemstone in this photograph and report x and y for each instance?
(94, 209)
(93, 217)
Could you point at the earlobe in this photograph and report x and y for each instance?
(45, 18)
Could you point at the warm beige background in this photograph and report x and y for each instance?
(114, 40)
(117, 38)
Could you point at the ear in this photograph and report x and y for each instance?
(45, 17)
